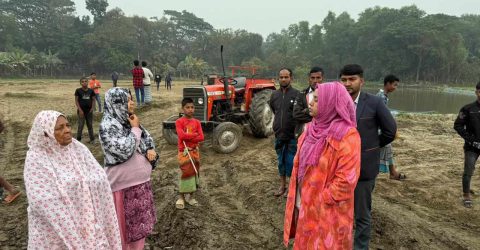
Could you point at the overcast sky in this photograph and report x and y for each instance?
(267, 16)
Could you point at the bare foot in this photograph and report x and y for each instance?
(398, 177)
(280, 192)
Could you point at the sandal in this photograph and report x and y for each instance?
(11, 197)
(467, 203)
(192, 202)
(400, 177)
(180, 204)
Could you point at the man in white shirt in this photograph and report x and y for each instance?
(147, 74)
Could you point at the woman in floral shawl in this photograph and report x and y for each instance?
(319, 210)
(129, 160)
(70, 203)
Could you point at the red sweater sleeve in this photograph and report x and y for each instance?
(199, 137)
(180, 125)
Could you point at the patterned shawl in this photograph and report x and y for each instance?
(336, 115)
(116, 136)
(70, 203)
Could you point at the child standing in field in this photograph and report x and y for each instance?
(95, 85)
(85, 102)
(190, 133)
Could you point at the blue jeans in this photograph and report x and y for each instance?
(138, 92)
(286, 150)
(99, 101)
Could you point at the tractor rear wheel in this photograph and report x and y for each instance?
(170, 135)
(260, 114)
(226, 137)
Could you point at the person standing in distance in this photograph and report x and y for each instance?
(281, 103)
(85, 102)
(147, 74)
(467, 126)
(96, 85)
(372, 116)
(137, 73)
(114, 78)
(387, 163)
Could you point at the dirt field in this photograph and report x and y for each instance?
(238, 210)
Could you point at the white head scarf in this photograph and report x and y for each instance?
(69, 197)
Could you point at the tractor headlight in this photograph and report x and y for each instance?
(200, 101)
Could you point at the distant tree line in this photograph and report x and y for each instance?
(46, 38)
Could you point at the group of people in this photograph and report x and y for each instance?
(89, 94)
(141, 82)
(331, 140)
(328, 140)
(74, 203)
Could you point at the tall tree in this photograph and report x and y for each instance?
(98, 8)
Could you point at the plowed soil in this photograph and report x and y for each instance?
(237, 209)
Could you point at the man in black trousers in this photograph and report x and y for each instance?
(467, 126)
(301, 112)
(372, 116)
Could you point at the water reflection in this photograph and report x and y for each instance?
(423, 100)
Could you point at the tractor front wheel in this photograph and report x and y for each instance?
(226, 137)
(170, 135)
(260, 114)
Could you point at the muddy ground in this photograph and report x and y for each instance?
(238, 210)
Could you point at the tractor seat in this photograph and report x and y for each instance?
(240, 83)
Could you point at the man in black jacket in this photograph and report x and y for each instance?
(372, 116)
(281, 103)
(467, 126)
(301, 113)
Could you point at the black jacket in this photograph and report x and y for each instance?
(301, 114)
(467, 125)
(372, 115)
(282, 106)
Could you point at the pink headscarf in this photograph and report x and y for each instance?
(336, 115)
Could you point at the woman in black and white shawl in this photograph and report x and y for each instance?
(129, 160)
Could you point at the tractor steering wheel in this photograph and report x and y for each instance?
(231, 81)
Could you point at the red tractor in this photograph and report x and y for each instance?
(225, 105)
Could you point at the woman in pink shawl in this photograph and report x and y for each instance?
(70, 203)
(319, 210)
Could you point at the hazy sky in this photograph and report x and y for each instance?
(267, 16)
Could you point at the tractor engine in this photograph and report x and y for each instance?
(200, 101)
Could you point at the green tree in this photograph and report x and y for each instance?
(51, 60)
(98, 8)
(19, 61)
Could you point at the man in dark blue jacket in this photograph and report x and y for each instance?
(372, 116)
(281, 103)
(467, 126)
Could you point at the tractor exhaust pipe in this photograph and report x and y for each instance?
(225, 79)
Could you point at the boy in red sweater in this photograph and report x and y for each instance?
(189, 131)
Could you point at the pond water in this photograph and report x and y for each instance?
(410, 99)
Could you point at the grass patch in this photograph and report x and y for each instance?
(22, 95)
